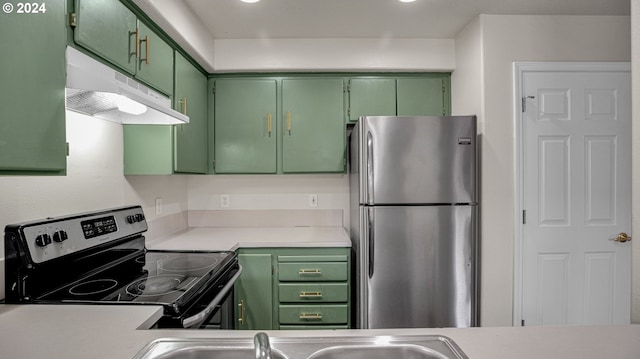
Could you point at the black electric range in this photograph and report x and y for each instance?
(100, 258)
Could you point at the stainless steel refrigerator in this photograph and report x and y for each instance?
(413, 221)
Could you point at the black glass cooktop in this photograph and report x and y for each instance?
(153, 277)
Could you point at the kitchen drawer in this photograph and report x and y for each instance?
(313, 314)
(312, 272)
(312, 327)
(316, 258)
(313, 292)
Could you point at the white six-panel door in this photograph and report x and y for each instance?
(576, 191)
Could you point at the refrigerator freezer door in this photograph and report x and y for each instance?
(418, 267)
(417, 160)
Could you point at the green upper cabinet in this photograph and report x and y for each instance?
(401, 96)
(148, 149)
(245, 126)
(423, 96)
(108, 28)
(371, 97)
(191, 99)
(32, 103)
(313, 131)
(155, 63)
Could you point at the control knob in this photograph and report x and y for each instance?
(43, 240)
(131, 219)
(60, 236)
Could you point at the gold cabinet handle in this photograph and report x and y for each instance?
(622, 238)
(241, 306)
(183, 104)
(146, 46)
(309, 271)
(269, 124)
(310, 316)
(310, 294)
(289, 122)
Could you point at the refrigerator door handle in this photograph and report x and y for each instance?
(370, 239)
(369, 168)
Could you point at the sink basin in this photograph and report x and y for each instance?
(204, 351)
(369, 347)
(399, 351)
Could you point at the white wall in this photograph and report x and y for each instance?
(635, 86)
(94, 180)
(505, 39)
(334, 55)
(271, 192)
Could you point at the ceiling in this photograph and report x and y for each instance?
(233, 19)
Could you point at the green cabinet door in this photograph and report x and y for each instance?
(245, 126)
(253, 292)
(313, 131)
(148, 150)
(107, 28)
(190, 99)
(422, 97)
(371, 97)
(155, 64)
(32, 81)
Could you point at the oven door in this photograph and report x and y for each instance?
(216, 313)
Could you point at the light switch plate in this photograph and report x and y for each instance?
(313, 200)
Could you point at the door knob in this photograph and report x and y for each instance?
(622, 237)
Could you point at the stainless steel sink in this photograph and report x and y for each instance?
(403, 351)
(372, 347)
(205, 351)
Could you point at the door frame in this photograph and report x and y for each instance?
(519, 69)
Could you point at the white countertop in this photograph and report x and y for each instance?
(109, 332)
(232, 238)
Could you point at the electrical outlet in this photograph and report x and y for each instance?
(158, 206)
(224, 201)
(313, 200)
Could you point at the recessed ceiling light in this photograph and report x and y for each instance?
(406, 0)
(250, 1)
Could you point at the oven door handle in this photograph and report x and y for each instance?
(198, 319)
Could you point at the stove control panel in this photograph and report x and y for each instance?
(56, 237)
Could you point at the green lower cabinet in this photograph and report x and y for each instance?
(32, 95)
(253, 293)
(265, 301)
(313, 131)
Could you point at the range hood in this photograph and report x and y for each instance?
(98, 90)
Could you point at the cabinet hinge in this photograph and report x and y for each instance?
(73, 19)
(349, 112)
(524, 216)
(213, 90)
(522, 323)
(67, 149)
(346, 88)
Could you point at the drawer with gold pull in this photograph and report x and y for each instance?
(313, 314)
(313, 292)
(312, 271)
